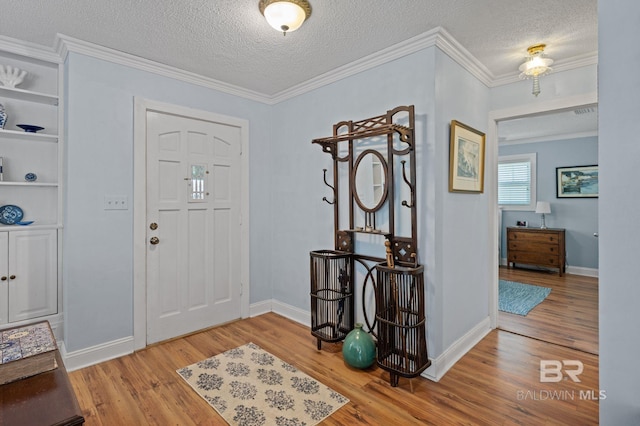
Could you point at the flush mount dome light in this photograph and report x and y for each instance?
(285, 15)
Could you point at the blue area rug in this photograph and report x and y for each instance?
(518, 298)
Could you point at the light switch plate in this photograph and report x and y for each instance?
(116, 202)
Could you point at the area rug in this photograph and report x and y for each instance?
(518, 298)
(248, 386)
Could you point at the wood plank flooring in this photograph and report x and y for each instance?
(567, 317)
(497, 382)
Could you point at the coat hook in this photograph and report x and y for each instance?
(411, 188)
(332, 188)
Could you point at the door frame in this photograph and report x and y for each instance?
(141, 106)
(491, 186)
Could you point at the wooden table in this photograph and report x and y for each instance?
(43, 399)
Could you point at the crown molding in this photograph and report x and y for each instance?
(438, 37)
(558, 66)
(452, 48)
(27, 49)
(65, 44)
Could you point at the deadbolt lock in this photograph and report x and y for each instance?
(153, 226)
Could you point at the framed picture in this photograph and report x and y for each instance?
(577, 182)
(466, 159)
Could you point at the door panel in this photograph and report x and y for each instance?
(193, 194)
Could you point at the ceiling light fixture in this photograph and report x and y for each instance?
(535, 66)
(285, 15)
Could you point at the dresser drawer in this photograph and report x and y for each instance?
(534, 258)
(535, 237)
(546, 248)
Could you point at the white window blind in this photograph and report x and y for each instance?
(516, 182)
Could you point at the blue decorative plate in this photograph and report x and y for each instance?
(30, 177)
(10, 214)
(30, 128)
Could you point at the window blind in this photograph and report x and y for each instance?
(514, 183)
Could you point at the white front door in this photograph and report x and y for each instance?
(193, 224)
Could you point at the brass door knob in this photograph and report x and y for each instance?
(12, 277)
(154, 240)
(3, 278)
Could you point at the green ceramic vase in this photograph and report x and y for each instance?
(359, 349)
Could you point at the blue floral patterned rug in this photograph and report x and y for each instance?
(250, 387)
(518, 298)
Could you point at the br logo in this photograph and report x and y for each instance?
(552, 370)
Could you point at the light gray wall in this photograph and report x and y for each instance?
(619, 127)
(461, 222)
(557, 85)
(298, 174)
(424, 79)
(578, 216)
(97, 262)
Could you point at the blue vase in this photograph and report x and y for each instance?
(3, 117)
(359, 349)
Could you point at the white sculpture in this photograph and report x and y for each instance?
(10, 76)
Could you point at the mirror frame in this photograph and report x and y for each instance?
(354, 185)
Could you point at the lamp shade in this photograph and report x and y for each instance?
(543, 207)
(285, 15)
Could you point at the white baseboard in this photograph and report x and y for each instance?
(296, 314)
(96, 354)
(117, 348)
(457, 350)
(93, 355)
(259, 308)
(439, 366)
(578, 270)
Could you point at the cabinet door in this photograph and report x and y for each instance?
(33, 261)
(4, 277)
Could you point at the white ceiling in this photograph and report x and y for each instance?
(230, 41)
(554, 126)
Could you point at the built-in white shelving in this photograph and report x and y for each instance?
(30, 272)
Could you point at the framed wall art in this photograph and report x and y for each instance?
(577, 182)
(466, 159)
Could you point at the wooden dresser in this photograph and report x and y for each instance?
(535, 246)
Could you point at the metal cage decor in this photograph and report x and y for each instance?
(402, 344)
(376, 203)
(331, 295)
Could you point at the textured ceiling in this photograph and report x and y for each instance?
(230, 41)
(554, 126)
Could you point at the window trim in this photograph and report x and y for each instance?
(518, 158)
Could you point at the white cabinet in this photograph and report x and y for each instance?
(28, 274)
(29, 258)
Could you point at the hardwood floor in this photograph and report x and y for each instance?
(497, 382)
(567, 317)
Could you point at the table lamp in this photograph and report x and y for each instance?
(543, 207)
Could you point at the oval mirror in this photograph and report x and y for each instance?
(370, 173)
